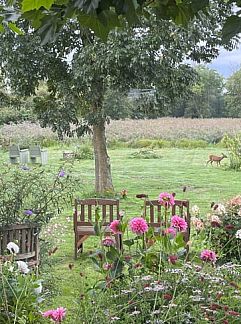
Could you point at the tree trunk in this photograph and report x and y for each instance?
(103, 179)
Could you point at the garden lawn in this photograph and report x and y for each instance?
(175, 169)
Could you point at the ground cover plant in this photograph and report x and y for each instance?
(179, 170)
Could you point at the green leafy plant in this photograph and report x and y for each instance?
(233, 144)
(84, 152)
(20, 290)
(221, 231)
(34, 195)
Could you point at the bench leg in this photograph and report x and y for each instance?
(79, 239)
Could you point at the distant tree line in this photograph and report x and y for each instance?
(208, 96)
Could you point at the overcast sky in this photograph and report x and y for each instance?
(227, 62)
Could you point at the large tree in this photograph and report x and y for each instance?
(233, 95)
(206, 98)
(149, 55)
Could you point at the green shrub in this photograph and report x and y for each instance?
(33, 195)
(16, 115)
(84, 152)
(221, 231)
(20, 295)
(233, 145)
(145, 154)
(190, 144)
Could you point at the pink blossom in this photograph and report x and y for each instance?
(107, 266)
(138, 225)
(166, 199)
(115, 227)
(208, 256)
(179, 223)
(108, 241)
(171, 231)
(57, 315)
(173, 259)
(48, 313)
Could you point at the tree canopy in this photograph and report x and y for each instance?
(101, 16)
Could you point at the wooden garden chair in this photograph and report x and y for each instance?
(154, 213)
(15, 153)
(37, 152)
(85, 212)
(26, 237)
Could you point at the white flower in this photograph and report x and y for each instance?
(219, 209)
(195, 210)
(13, 248)
(23, 267)
(238, 234)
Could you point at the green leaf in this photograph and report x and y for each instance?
(112, 254)
(128, 242)
(197, 5)
(1, 28)
(231, 28)
(93, 23)
(35, 16)
(15, 29)
(179, 240)
(28, 5)
(48, 31)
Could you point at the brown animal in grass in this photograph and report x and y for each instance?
(215, 158)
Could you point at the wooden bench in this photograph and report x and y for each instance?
(154, 213)
(26, 236)
(37, 152)
(15, 153)
(85, 213)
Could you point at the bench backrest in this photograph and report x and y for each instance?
(155, 213)
(35, 151)
(14, 150)
(86, 210)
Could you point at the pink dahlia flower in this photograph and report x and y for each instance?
(166, 199)
(138, 225)
(208, 256)
(179, 223)
(108, 241)
(115, 227)
(57, 315)
(171, 231)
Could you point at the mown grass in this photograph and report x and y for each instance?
(175, 169)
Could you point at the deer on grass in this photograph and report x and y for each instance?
(217, 159)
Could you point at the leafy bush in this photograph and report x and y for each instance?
(221, 230)
(145, 154)
(33, 195)
(20, 292)
(190, 144)
(233, 144)
(13, 115)
(84, 152)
